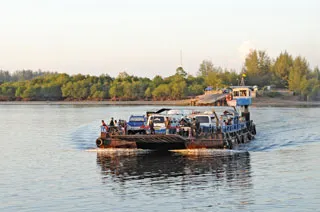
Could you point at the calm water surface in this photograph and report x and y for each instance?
(49, 163)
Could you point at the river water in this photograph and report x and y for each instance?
(49, 163)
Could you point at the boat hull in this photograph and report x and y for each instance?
(173, 142)
(114, 143)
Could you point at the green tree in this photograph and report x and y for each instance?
(213, 79)
(78, 77)
(229, 78)
(30, 93)
(161, 92)
(282, 68)
(67, 90)
(5, 76)
(258, 68)
(178, 87)
(51, 92)
(8, 91)
(195, 89)
(316, 73)
(116, 89)
(148, 93)
(180, 71)
(298, 73)
(157, 80)
(205, 68)
(128, 92)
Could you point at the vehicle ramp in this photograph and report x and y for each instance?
(158, 141)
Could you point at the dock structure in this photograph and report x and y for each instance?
(218, 99)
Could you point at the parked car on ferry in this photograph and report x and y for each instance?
(136, 124)
(206, 120)
(158, 123)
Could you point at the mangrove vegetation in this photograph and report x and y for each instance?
(285, 71)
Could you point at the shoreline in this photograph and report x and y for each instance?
(257, 102)
(138, 102)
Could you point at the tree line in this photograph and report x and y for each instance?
(22, 75)
(286, 71)
(282, 72)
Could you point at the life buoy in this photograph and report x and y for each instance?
(242, 139)
(245, 138)
(99, 142)
(238, 138)
(229, 143)
(229, 97)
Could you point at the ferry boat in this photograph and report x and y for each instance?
(226, 131)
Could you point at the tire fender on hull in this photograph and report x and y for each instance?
(242, 139)
(99, 142)
(238, 138)
(254, 132)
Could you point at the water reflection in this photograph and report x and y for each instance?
(231, 168)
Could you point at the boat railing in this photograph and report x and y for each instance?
(234, 127)
(226, 128)
(109, 128)
(211, 129)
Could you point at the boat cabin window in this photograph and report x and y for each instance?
(243, 92)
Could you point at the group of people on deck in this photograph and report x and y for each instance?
(167, 123)
(114, 125)
(185, 125)
(225, 122)
(189, 127)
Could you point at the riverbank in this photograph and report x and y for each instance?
(138, 102)
(280, 102)
(258, 102)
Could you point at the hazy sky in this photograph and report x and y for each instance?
(144, 37)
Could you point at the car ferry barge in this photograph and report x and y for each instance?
(226, 132)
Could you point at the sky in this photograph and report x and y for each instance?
(145, 37)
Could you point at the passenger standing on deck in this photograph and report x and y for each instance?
(220, 121)
(104, 125)
(183, 122)
(151, 127)
(125, 127)
(117, 125)
(111, 124)
(229, 122)
(167, 124)
(197, 127)
(193, 127)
